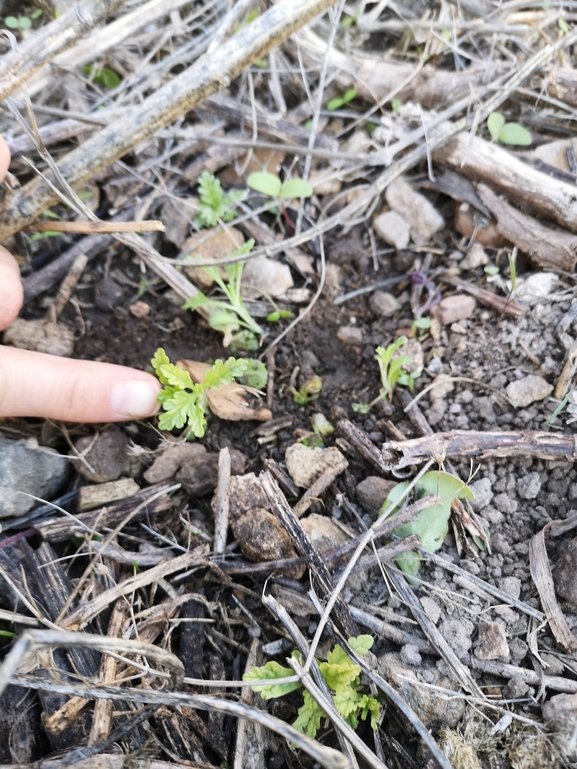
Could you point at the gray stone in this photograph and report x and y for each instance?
(383, 304)
(499, 544)
(410, 655)
(350, 335)
(199, 474)
(515, 688)
(511, 586)
(27, 467)
(492, 642)
(457, 633)
(393, 229)
(106, 455)
(523, 392)
(483, 491)
(560, 713)
(372, 492)
(505, 504)
(529, 486)
(431, 609)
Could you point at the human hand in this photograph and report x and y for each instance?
(33, 384)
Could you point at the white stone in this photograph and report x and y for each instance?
(350, 335)
(532, 289)
(306, 464)
(422, 216)
(265, 276)
(476, 257)
(525, 391)
(393, 229)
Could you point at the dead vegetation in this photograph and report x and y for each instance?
(136, 616)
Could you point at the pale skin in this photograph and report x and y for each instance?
(33, 384)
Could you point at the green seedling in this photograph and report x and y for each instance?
(341, 675)
(420, 324)
(393, 372)
(396, 105)
(230, 317)
(491, 269)
(563, 26)
(21, 22)
(309, 392)
(340, 101)
(507, 133)
(215, 204)
(102, 76)
(185, 402)
(432, 523)
(321, 425)
(255, 374)
(271, 185)
(276, 315)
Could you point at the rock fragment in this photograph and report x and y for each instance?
(565, 574)
(422, 216)
(383, 304)
(523, 392)
(393, 229)
(167, 464)
(492, 642)
(457, 633)
(102, 494)
(106, 455)
(452, 309)
(372, 492)
(305, 463)
(350, 335)
(27, 467)
(529, 486)
(199, 475)
(262, 538)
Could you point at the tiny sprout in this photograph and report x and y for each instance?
(340, 101)
(271, 185)
(321, 425)
(309, 391)
(507, 133)
(491, 269)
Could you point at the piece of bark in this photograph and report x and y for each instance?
(499, 303)
(61, 529)
(543, 581)
(529, 189)
(567, 376)
(361, 443)
(302, 544)
(250, 738)
(547, 248)
(464, 444)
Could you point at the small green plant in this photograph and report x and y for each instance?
(215, 204)
(255, 374)
(507, 133)
(22, 22)
(183, 401)
(309, 392)
(271, 185)
(321, 425)
(432, 523)
(392, 373)
(102, 76)
(563, 26)
(229, 316)
(342, 677)
(420, 324)
(340, 101)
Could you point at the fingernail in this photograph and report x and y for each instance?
(135, 398)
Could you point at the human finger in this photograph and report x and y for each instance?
(33, 384)
(4, 158)
(11, 294)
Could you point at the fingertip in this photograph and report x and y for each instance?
(135, 398)
(4, 158)
(11, 292)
